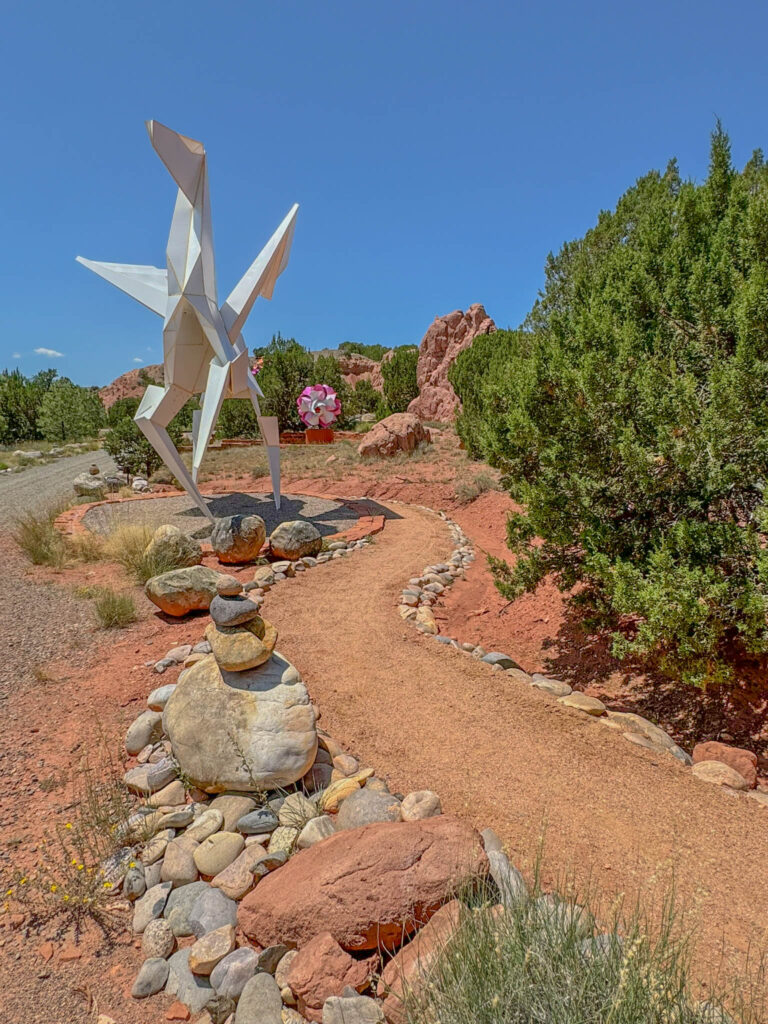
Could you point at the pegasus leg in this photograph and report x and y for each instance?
(157, 409)
(213, 396)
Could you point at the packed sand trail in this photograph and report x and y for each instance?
(505, 755)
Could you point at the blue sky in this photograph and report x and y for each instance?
(438, 150)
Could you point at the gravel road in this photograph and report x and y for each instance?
(39, 487)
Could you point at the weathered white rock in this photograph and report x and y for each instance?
(183, 590)
(422, 803)
(295, 539)
(242, 731)
(147, 728)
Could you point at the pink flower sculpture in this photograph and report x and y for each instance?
(318, 405)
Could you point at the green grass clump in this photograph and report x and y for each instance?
(38, 538)
(545, 960)
(128, 545)
(466, 490)
(114, 610)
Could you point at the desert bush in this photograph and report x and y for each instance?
(69, 412)
(113, 610)
(86, 547)
(544, 959)
(467, 489)
(127, 545)
(399, 375)
(131, 451)
(364, 398)
(72, 881)
(375, 352)
(38, 538)
(630, 416)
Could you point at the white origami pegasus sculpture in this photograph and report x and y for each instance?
(203, 349)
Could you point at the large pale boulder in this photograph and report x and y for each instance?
(242, 731)
(237, 539)
(183, 590)
(369, 886)
(295, 539)
(87, 486)
(173, 547)
(445, 338)
(400, 432)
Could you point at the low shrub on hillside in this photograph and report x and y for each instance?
(630, 417)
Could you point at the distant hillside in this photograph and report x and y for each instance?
(128, 385)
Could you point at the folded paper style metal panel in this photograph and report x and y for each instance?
(203, 349)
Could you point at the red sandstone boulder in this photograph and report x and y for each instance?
(408, 970)
(369, 886)
(742, 761)
(400, 432)
(445, 338)
(322, 969)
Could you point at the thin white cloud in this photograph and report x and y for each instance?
(49, 352)
(136, 359)
(16, 355)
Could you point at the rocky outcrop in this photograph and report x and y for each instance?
(445, 338)
(367, 887)
(128, 385)
(355, 367)
(400, 432)
(241, 731)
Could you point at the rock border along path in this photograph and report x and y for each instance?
(423, 592)
(510, 754)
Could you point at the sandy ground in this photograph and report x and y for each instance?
(505, 755)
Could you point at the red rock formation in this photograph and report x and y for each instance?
(128, 385)
(368, 886)
(400, 432)
(445, 338)
(355, 367)
(409, 969)
(742, 761)
(322, 969)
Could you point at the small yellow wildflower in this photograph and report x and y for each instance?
(68, 825)
(107, 885)
(66, 898)
(23, 881)
(9, 893)
(80, 867)
(54, 887)
(132, 864)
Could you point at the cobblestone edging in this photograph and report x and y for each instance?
(423, 592)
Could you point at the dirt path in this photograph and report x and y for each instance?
(38, 487)
(505, 755)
